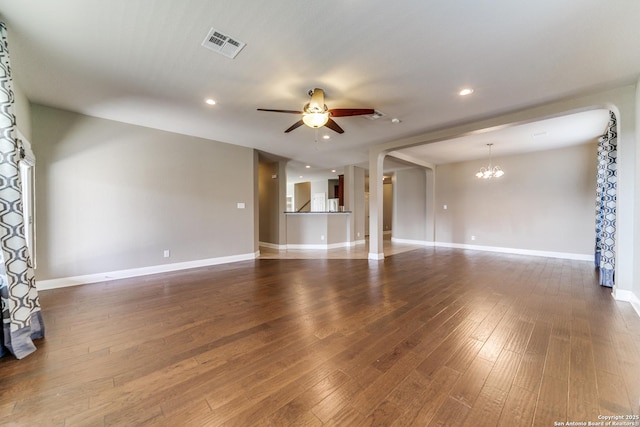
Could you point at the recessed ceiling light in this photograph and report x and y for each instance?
(465, 92)
(308, 167)
(395, 120)
(333, 170)
(326, 137)
(210, 101)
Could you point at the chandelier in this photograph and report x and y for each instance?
(490, 171)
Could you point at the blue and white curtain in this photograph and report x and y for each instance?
(21, 316)
(605, 251)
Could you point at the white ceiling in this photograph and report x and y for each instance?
(558, 132)
(141, 62)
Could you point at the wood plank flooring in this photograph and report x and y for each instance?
(429, 337)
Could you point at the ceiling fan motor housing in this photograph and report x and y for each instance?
(316, 104)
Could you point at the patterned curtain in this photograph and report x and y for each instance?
(605, 256)
(21, 317)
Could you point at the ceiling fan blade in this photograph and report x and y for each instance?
(334, 126)
(343, 112)
(280, 111)
(296, 125)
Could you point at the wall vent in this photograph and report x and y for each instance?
(223, 43)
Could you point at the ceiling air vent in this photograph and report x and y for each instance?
(375, 116)
(223, 44)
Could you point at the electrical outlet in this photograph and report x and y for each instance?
(473, 237)
(167, 253)
(322, 237)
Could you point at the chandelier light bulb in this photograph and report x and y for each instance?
(490, 171)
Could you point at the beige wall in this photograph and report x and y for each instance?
(409, 200)
(112, 196)
(272, 201)
(387, 204)
(354, 201)
(268, 195)
(317, 229)
(387, 195)
(23, 115)
(544, 202)
(359, 211)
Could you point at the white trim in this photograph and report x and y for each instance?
(627, 296)
(515, 251)
(412, 242)
(411, 159)
(306, 246)
(318, 213)
(375, 256)
(325, 246)
(273, 246)
(64, 282)
(30, 158)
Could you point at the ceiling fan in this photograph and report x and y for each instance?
(315, 113)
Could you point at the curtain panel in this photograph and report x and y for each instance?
(21, 315)
(606, 192)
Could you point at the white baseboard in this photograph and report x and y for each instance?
(273, 246)
(376, 256)
(515, 251)
(412, 242)
(628, 296)
(320, 246)
(142, 271)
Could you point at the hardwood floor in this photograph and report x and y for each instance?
(437, 337)
(360, 251)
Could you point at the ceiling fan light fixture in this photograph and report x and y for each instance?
(315, 120)
(315, 113)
